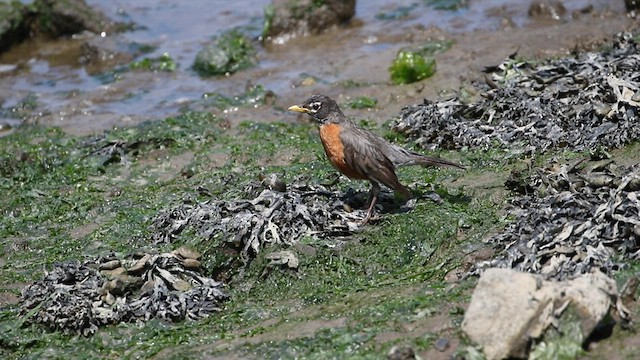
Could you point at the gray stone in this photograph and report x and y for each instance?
(289, 18)
(508, 308)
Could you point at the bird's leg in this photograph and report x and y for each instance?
(371, 201)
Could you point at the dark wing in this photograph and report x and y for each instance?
(400, 156)
(362, 155)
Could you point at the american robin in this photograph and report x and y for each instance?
(361, 154)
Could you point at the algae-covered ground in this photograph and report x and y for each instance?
(395, 282)
(359, 295)
(399, 281)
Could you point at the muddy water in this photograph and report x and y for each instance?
(72, 97)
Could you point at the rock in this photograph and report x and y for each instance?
(100, 53)
(181, 285)
(52, 19)
(273, 182)
(123, 283)
(140, 265)
(496, 321)
(113, 273)
(109, 299)
(191, 264)
(230, 53)
(547, 9)
(285, 258)
(57, 18)
(285, 19)
(441, 344)
(403, 352)
(109, 265)
(308, 81)
(187, 253)
(13, 28)
(629, 289)
(509, 309)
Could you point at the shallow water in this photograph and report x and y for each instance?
(486, 30)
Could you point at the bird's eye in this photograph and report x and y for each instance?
(315, 106)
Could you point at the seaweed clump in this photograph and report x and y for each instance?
(580, 103)
(575, 221)
(79, 297)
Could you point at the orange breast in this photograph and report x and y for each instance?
(333, 146)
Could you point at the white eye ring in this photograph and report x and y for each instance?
(315, 106)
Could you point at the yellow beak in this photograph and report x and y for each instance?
(299, 109)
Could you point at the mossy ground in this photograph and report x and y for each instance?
(352, 297)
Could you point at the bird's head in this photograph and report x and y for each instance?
(321, 108)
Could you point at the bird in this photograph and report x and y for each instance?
(361, 154)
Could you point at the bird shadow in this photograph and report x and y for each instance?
(389, 203)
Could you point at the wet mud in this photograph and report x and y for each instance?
(343, 63)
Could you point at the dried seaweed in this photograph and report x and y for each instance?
(107, 151)
(79, 297)
(271, 217)
(579, 103)
(576, 219)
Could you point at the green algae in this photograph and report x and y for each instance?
(163, 62)
(362, 102)
(448, 5)
(410, 66)
(86, 206)
(415, 64)
(63, 200)
(255, 95)
(231, 52)
(399, 12)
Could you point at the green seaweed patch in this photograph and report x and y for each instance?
(450, 5)
(180, 133)
(254, 96)
(163, 62)
(399, 12)
(231, 52)
(269, 13)
(435, 47)
(286, 149)
(110, 76)
(46, 194)
(411, 66)
(564, 341)
(415, 64)
(23, 109)
(356, 322)
(325, 343)
(350, 84)
(362, 102)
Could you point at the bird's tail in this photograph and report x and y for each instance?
(403, 157)
(434, 161)
(404, 192)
